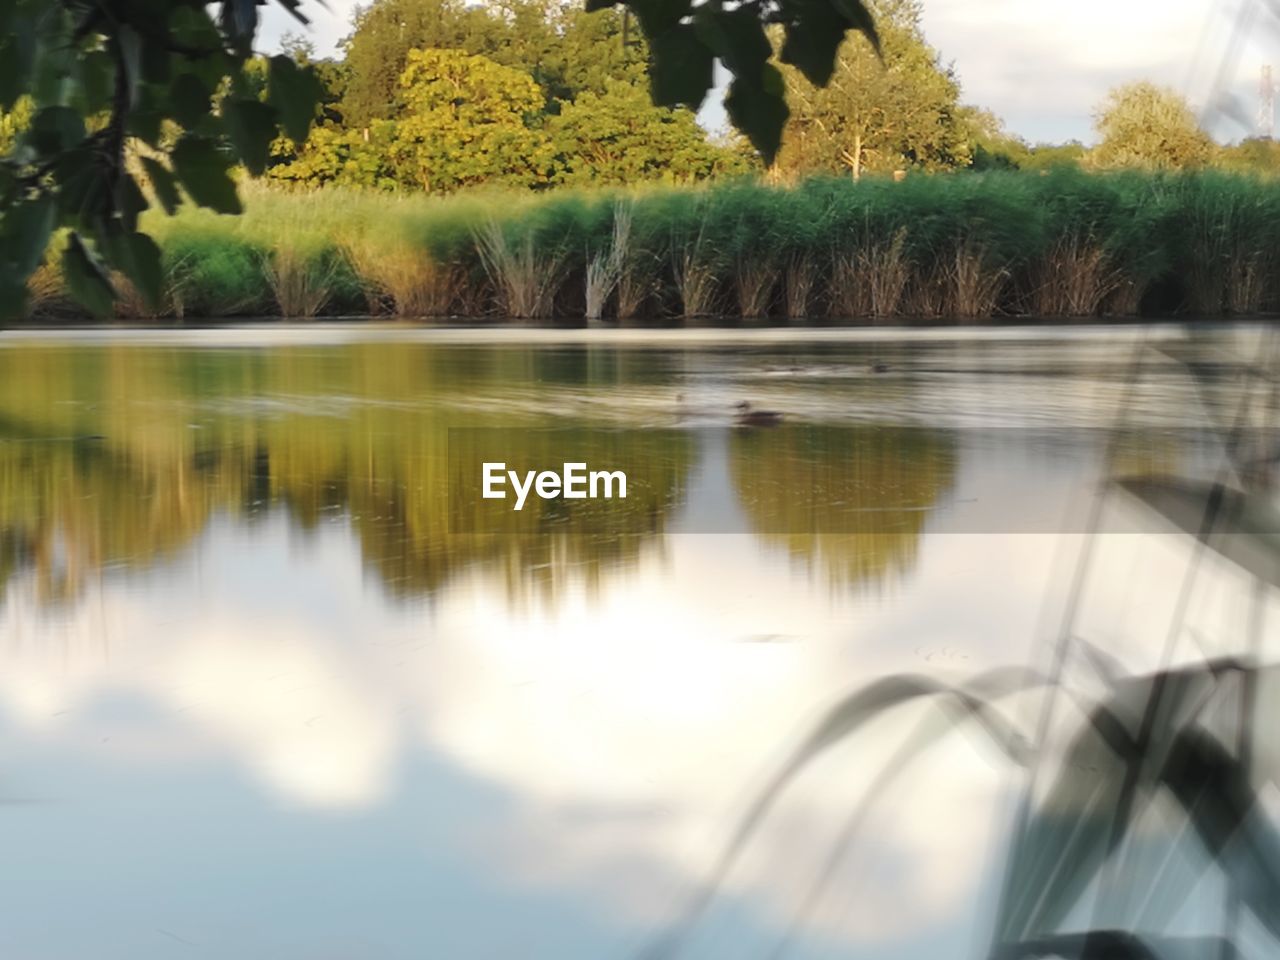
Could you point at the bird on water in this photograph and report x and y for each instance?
(748, 416)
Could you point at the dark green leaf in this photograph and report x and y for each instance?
(146, 123)
(95, 81)
(55, 129)
(163, 183)
(251, 125)
(138, 258)
(26, 229)
(203, 170)
(13, 293)
(594, 5)
(130, 201)
(682, 67)
(85, 183)
(189, 99)
(859, 18)
(812, 40)
(131, 54)
(759, 110)
(193, 28)
(736, 37)
(17, 58)
(86, 281)
(294, 91)
(658, 16)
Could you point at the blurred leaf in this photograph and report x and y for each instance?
(163, 183)
(130, 201)
(203, 171)
(138, 258)
(1114, 945)
(18, 45)
(1245, 526)
(96, 78)
(759, 110)
(858, 16)
(86, 281)
(14, 295)
(294, 91)
(810, 45)
(658, 16)
(681, 71)
(736, 37)
(971, 702)
(1074, 829)
(1213, 788)
(131, 54)
(25, 231)
(55, 129)
(251, 125)
(189, 100)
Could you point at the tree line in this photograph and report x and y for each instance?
(438, 95)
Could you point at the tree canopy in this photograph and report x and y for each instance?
(1144, 126)
(898, 109)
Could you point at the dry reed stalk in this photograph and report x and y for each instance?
(871, 282)
(300, 284)
(1125, 300)
(975, 284)
(755, 282)
(604, 272)
(403, 280)
(1247, 275)
(635, 286)
(1074, 279)
(696, 285)
(526, 282)
(797, 280)
(46, 292)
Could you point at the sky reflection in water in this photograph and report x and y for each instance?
(256, 701)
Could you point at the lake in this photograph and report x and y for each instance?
(269, 688)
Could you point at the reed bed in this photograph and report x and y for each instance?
(956, 248)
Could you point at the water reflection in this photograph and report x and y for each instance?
(232, 736)
(117, 458)
(851, 502)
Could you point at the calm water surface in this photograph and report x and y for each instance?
(257, 700)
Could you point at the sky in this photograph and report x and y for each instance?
(1040, 65)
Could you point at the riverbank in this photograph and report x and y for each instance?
(962, 248)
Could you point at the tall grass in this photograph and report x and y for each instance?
(954, 248)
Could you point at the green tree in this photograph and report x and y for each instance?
(990, 146)
(618, 137)
(1256, 155)
(562, 47)
(1144, 126)
(1054, 156)
(882, 113)
(467, 122)
(337, 155)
